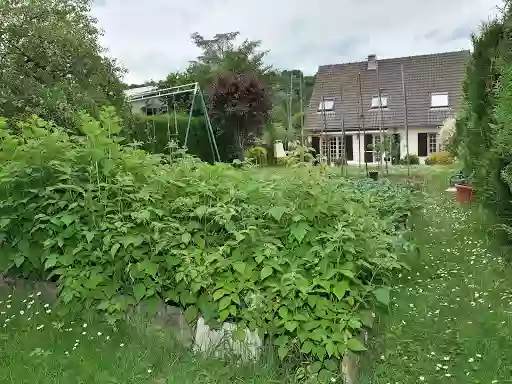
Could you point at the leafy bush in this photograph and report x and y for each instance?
(154, 132)
(442, 158)
(257, 154)
(410, 159)
(297, 255)
(300, 154)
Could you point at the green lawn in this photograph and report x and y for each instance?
(451, 321)
(38, 346)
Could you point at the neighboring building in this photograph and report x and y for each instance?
(145, 107)
(346, 99)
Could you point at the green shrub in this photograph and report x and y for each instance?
(410, 159)
(282, 161)
(258, 155)
(154, 133)
(483, 132)
(297, 255)
(441, 158)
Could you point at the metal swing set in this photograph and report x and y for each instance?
(166, 93)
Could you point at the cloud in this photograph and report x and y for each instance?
(152, 38)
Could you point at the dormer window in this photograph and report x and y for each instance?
(326, 105)
(439, 100)
(377, 104)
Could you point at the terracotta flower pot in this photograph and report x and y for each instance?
(464, 193)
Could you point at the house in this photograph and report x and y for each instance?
(345, 103)
(142, 106)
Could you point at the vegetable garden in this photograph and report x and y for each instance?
(301, 256)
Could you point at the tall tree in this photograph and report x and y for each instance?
(51, 62)
(222, 54)
(241, 104)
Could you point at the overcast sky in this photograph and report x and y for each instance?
(152, 38)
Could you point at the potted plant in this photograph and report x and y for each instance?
(465, 193)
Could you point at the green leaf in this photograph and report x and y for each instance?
(186, 237)
(277, 212)
(191, 314)
(283, 312)
(219, 293)
(114, 249)
(148, 267)
(307, 347)
(89, 236)
(50, 262)
(290, 325)
(300, 230)
(266, 272)
(315, 367)
(283, 352)
(367, 318)
(319, 351)
(67, 219)
(66, 295)
(4, 222)
(18, 260)
(239, 267)
(382, 295)
(324, 376)
(201, 211)
(239, 334)
(199, 241)
(136, 240)
(139, 291)
(93, 281)
(282, 340)
(340, 289)
(330, 348)
(331, 365)
(355, 345)
(224, 302)
(223, 315)
(235, 298)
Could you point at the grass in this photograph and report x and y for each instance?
(451, 317)
(37, 345)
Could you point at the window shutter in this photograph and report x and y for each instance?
(349, 147)
(422, 144)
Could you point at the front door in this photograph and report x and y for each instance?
(315, 144)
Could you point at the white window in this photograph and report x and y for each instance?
(439, 100)
(326, 105)
(333, 145)
(432, 143)
(375, 101)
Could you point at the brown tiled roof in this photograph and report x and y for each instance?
(424, 75)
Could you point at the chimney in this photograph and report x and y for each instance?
(372, 62)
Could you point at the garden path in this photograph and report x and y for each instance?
(451, 317)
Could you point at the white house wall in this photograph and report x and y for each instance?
(358, 141)
(413, 141)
